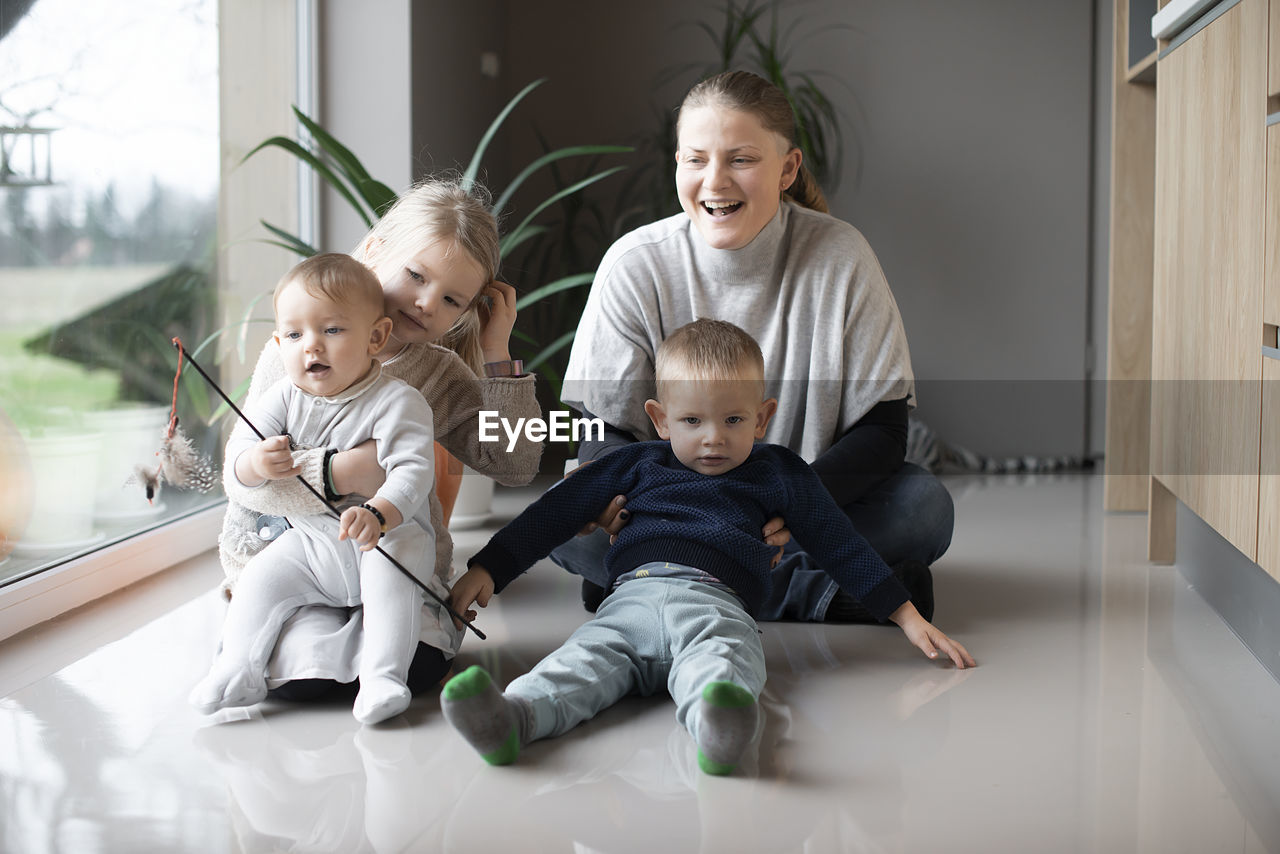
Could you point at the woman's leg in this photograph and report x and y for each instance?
(908, 517)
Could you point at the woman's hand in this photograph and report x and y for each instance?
(926, 636)
(612, 518)
(497, 319)
(776, 534)
(356, 471)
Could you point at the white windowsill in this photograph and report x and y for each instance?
(46, 595)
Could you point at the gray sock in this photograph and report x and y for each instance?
(482, 716)
(727, 725)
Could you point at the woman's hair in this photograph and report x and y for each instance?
(708, 350)
(751, 93)
(438, 208)
(336, 277)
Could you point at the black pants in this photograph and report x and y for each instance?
(425, 671)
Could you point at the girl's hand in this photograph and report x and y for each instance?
(776, 534)
(475, 586)
(356, 471)
(923, 634)
(357, 523)
(497, 319)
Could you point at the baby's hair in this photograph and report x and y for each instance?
(751, 93)
(438, 208)
(336, 277)
(708, 350)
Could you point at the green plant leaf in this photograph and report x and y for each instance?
(322, 169)
(559, 285)
(336, 151)
(377, 195)
(469, 176)
(511, 240)
(553, 156)
(551, 349)
(515, 238)
(289, 241)
(237, 394)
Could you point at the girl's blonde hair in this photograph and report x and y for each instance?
(751, 93)
(439, 208)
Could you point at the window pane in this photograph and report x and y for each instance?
(108, 199)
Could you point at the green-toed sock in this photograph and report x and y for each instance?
(727, 726)
(481, 715)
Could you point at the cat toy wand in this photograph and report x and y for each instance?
(182, 353)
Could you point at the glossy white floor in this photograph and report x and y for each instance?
(1111, 711)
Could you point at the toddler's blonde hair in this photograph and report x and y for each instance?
(705, 350)
(335, 277)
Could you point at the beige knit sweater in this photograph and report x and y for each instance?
(456, 397)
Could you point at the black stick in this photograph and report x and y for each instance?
(334, 510)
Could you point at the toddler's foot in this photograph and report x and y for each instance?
(727, 726)
(482, 716)
(223, 690)
(380, 698)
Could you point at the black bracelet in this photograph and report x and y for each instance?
(326, 471)
(382, 520)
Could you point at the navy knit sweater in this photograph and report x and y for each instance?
(711, 522)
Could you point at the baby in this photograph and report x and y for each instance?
(687, 572)
(329, 326)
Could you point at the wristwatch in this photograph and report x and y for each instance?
(507, 368)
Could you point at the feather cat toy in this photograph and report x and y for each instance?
(180, 464)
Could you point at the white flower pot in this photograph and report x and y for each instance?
(131, 436)
(474, 506)
(64, 469)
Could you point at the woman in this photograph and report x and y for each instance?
(435, 253)
(755, 246)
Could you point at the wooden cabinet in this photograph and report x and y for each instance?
(1207, 301)
(1269, 483)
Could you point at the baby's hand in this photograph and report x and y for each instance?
(271, 459)
(359, 524)
(923, 634)
(475, 586)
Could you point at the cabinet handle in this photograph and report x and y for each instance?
(1271, 353)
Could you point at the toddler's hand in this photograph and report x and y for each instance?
(357, 523)
(271, 459)
(475, 586)
(926, 636)
(776, 533)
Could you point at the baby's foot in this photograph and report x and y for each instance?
(482, 716)
(380, 698)
(727, 726)
(227, 690)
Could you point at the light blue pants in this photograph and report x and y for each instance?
(650, 633)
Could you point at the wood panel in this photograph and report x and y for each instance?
(1269, 482)
(1207, 304)
(1273, 74)
(1133, 150)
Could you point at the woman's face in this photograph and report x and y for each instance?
(426, 292)
(730, 173)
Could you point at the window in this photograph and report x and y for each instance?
(109, 185)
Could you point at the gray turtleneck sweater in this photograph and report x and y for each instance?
(808, 289)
